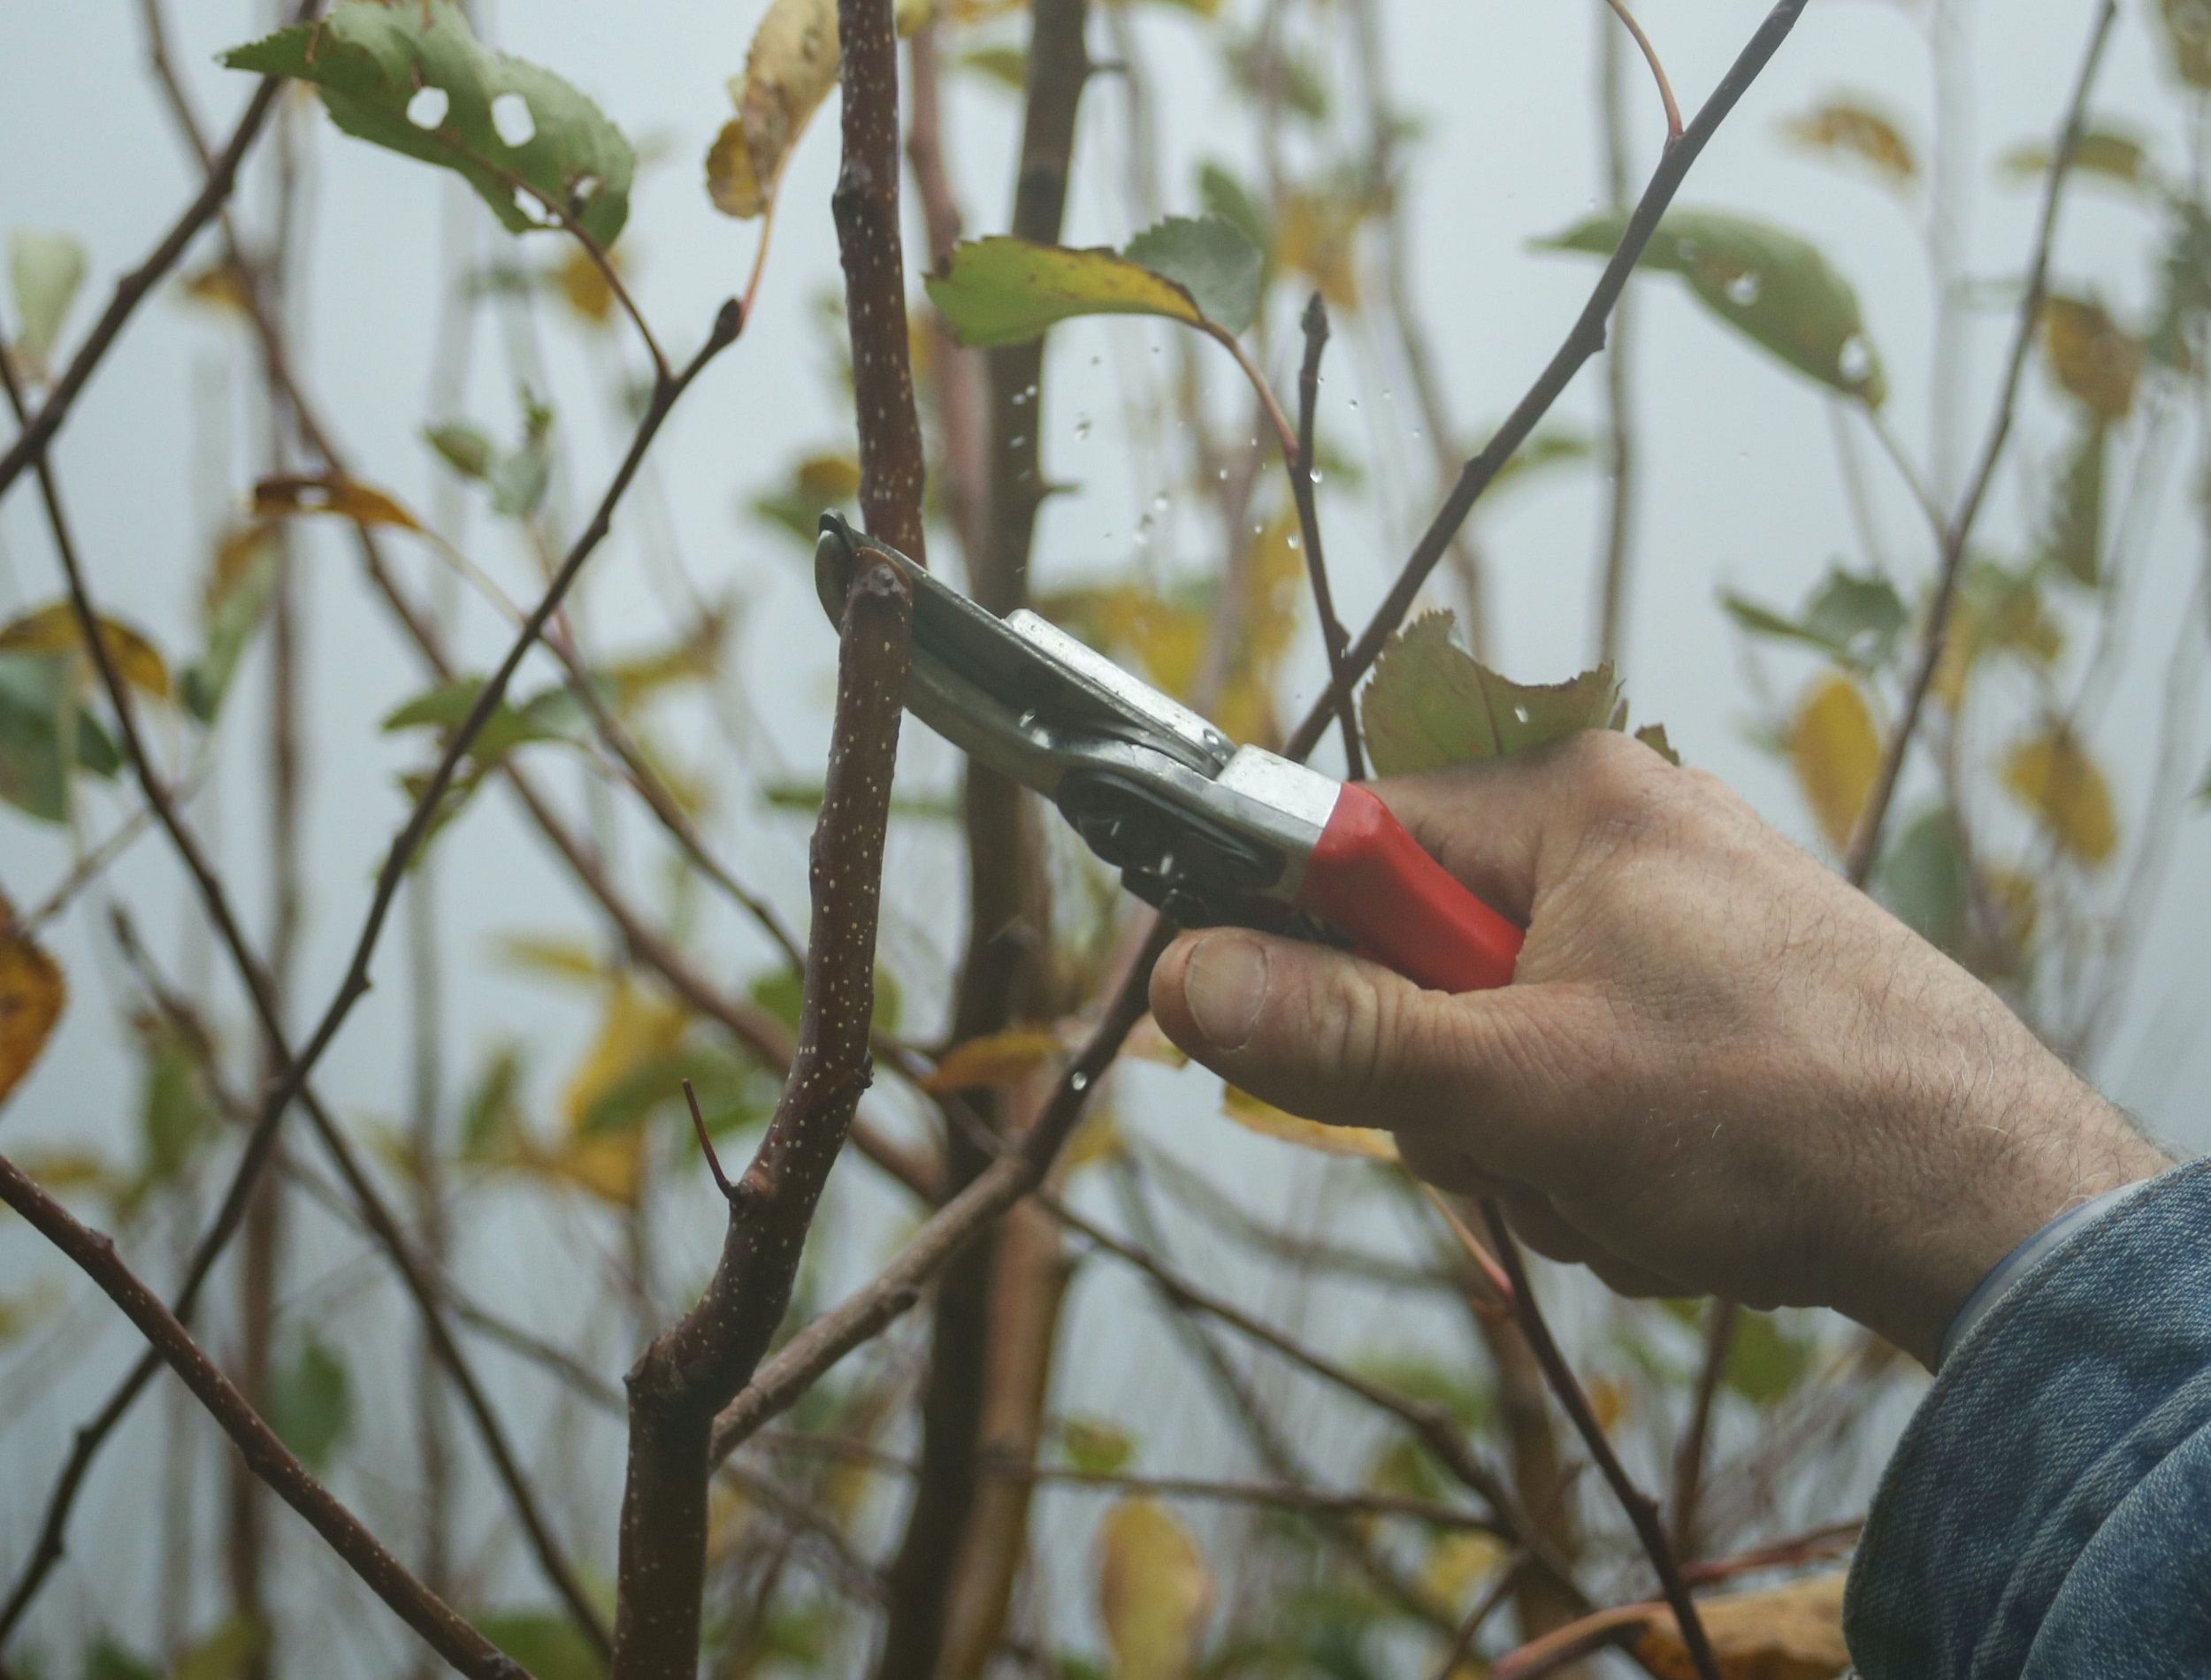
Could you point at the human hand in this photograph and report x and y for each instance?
(1720, 1069)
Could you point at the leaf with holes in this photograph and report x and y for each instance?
(1775, 289)
(295, 493)
(1846, 128)
(2053, 778)
(32, 993)
(1836, 753)
(2096, 361)
(1155, 1591)
(46, 271)
(1431, 705)
(412, 77)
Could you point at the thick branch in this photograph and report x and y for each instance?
(1582, 341)
(437, 1623)
(697, 1366)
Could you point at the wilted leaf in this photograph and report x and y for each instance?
(1431, 705)
(1251, 1113)
(2090, 355)
(2053, 777)
(1844, 128)
(1854, 618)
(1791, 1632)
(1096, 1445)
(789, 70)
(56, 628)
(462, 447)
(1155, 1591)
(2073, 540)
(1006, 291)
(1210, 258)
(999, 1058)
(2102, 152)
(1836, 753)
(32, 996)
(221, 285)
(329, 494)
(310, 1402)
(1772, 286)
(46, 270)
(413, 78)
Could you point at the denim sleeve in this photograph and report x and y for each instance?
(2048, 1513)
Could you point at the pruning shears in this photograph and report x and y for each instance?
(1208, 831)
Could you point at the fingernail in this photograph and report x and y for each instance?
(1226, 987)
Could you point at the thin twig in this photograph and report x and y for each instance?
(1333, 636)
(1688, 1458)
(705, 1147)
(1583, 340)
(437, 1623)
(1643, 1510)
(1865, 845)
(1657, 70)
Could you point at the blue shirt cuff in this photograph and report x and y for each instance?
(2015, 1265)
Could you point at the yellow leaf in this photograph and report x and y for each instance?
(2098, 362)
(1608, 1402)
(1267, 1120)
(237, 552)
(1155, 1591)
(1792, 1632)
(1317, 237)
(637, 1025)
(582, 284)
(999, 1058)
(1097, 1139)
(221, 285)
(1456, 1564)
(1004, 290)
(56, 628)
(551, 958)
(2053, 777)
(329, 494)
(828, 479)
(59, 1171)
(1856, 131)
(1836, 753)
(32, 995)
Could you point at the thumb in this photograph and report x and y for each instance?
(1334, 1037)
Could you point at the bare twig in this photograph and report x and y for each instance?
(1643, 1510)
(1865, 844)
(1623, 468)
(1689, 1457)
(271, 1460)
(1657, 70)
(705, 1147)
(698, 1364)
(1333, 636)
(1583, 340)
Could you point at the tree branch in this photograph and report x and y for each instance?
(1643, 1510)
(441, 1627)
(1865, 845)
(1583, 340)
(697, 1365)
(1333, 636)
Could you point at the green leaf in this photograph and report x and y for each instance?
(1924, 882)
(1096, 1445)
(509, 129)
(2104, 153)
(553, 714)
(176, 1110)
(1854, 618)
(2073, 540)
(792, 794)
(46, 270)
(1224, 197)
(549, 1645)
(109, 1661)
(224, 1654)
(491, 1110)
(462, 447)
(37, 691)
(1431, 706)
(1006, 65)
(1210, 258)
(2188, 36)
(731, 1092)
(233, 614)
(1772, 286)
(310, 1403)
(1766, 1360)
(1008, 291)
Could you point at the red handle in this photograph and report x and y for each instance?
(1368, 878)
